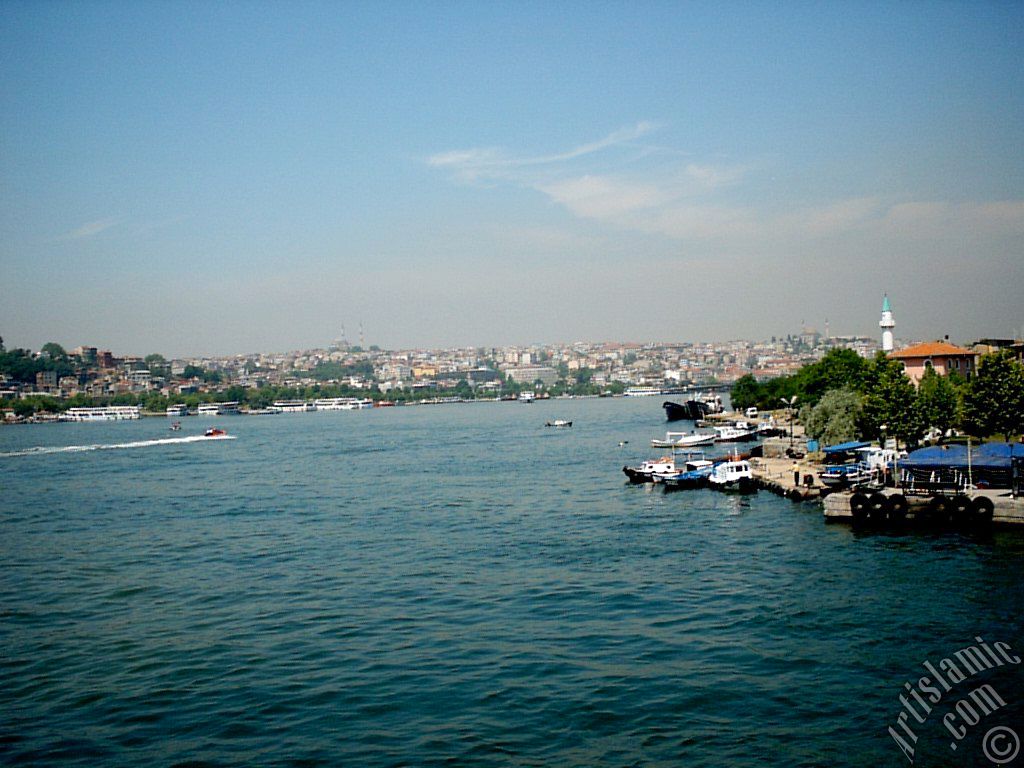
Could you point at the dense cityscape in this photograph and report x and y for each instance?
(83, 375)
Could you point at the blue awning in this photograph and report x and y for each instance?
(985, 456)
(842, 447)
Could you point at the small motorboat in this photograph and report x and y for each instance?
(666, 465)
(735, 475)
(176, 426)
(558, 423)
(684, 439)
(215, 432)
(838, 476)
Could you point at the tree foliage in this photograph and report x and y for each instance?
(937, 401)
(890, 403)
(834, 418)
(994, 398)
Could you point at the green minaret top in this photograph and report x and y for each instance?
(885, 304)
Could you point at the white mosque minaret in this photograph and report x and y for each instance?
(886, 324)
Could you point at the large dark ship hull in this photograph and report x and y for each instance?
(691, 409)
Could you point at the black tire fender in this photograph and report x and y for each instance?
(898, 508)
(983, 510)
(859, 507)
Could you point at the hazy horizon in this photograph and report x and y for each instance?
(198, 180)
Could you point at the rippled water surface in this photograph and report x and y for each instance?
(459, 585)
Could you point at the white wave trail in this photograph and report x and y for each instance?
(41, 450)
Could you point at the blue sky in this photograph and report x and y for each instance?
(219, 178)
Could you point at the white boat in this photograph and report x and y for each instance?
(733, 475)
(218, 409)
(666, 465)
(734, 434)
(642, 391)
(558, 423)
(527, 397)
(294, 406)
(342, 403)
(107, 413)
(177, 410)
(684, 439)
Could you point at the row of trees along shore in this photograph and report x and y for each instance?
(845, 397)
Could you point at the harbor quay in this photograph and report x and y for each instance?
(774, 472)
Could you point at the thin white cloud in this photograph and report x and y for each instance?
(90, 229)
(597, 197)
(490, 161)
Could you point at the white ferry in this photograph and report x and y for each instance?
(527, 397)
(642, 391)
(108, 413)
(342, 403)
(218, 409)
(177, 410)
(294, 406)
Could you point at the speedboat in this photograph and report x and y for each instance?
(684, 439)
(176, 426)
(215, 432)
(558, 423)
(735, 475)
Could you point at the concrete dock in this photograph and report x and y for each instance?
(922, 509)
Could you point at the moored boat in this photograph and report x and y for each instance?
(733, 475)
(666, 465)
(694, 409)
(738, 433)
(695, 474)
(106, 413)
(684, 439)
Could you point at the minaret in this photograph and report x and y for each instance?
(886, 324)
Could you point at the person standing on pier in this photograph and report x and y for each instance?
(796, 474)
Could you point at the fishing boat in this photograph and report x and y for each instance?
(684, 439)
(733, 475)
(735, 433)
(666, 465)
(558, 423)
(838, 476)
(694, 474)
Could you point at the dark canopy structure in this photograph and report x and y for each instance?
(988, 465)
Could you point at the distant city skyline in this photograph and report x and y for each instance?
(200, 180)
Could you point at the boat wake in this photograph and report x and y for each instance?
(42, 450)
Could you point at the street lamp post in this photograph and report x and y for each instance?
(789, 403)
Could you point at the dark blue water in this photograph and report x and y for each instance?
(459, 585)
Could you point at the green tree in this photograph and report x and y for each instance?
(834, 418)
(839, 368)
(994, 398)
(157, 364)
(937, 400)
(745, 392)
(54, 351)
(890, 400)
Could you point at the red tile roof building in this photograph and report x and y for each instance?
(941, 355)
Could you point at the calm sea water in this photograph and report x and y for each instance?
(459, 585)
